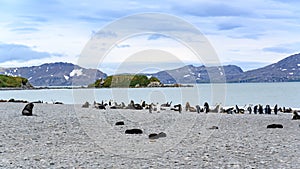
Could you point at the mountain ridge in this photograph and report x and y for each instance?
(68, 74)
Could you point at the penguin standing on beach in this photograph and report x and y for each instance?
(255, 109)
(198, 108)
(260, 109)
(275, 109)
(206, 107)
(249, 109)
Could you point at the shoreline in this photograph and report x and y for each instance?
(166, 86)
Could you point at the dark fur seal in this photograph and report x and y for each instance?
(27, 111)
(133, 131)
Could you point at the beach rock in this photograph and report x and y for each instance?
(119, 123)
(156, 136)
(153, 136)
(133, 131)
(162, 134)
(275, 126)
(58, 103)
(27, 111)
(213, 127)
(17, 101)
(296, 116)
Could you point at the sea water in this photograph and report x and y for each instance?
(283, 94)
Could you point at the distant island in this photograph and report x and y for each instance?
(8, 82)
(131, 81)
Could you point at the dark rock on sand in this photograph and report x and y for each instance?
(119, 123)
(27, 111)
(275, 126)
(58, 103)
(214, 127)
(296, 116)
(162, 134)
(153, 136)
(157, 136)
(17, 101)
(133, 131)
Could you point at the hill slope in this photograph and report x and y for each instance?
(14, 82)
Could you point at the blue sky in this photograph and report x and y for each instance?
(255, 32)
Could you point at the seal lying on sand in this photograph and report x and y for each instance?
(275, 126)
(133, 131)
(27, 111)
(188, 107)
(177, 108)
(296, 116)
(86, 105)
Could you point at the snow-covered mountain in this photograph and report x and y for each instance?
(201, 74)
(67, 74)
(56, 74)
(286, 70)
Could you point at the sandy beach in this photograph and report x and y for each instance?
(68, 136)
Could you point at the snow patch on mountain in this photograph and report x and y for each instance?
(66, 77)
(76, 72)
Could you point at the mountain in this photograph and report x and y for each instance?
(286, 70)
(201, 74)
(14, 82)
(67, 74)
(56, 74)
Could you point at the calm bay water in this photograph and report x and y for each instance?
(283, 94)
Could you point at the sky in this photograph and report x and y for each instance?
(246, 33)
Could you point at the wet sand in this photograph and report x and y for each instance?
(68, 136)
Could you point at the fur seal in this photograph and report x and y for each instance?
(120, 123)
(296, 116)
(133, 131)
(275, 126)
(86, 105)
(27, 111)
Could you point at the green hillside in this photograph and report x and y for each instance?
(13, 82)
(124, 81)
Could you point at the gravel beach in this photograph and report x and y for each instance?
(69, 136)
